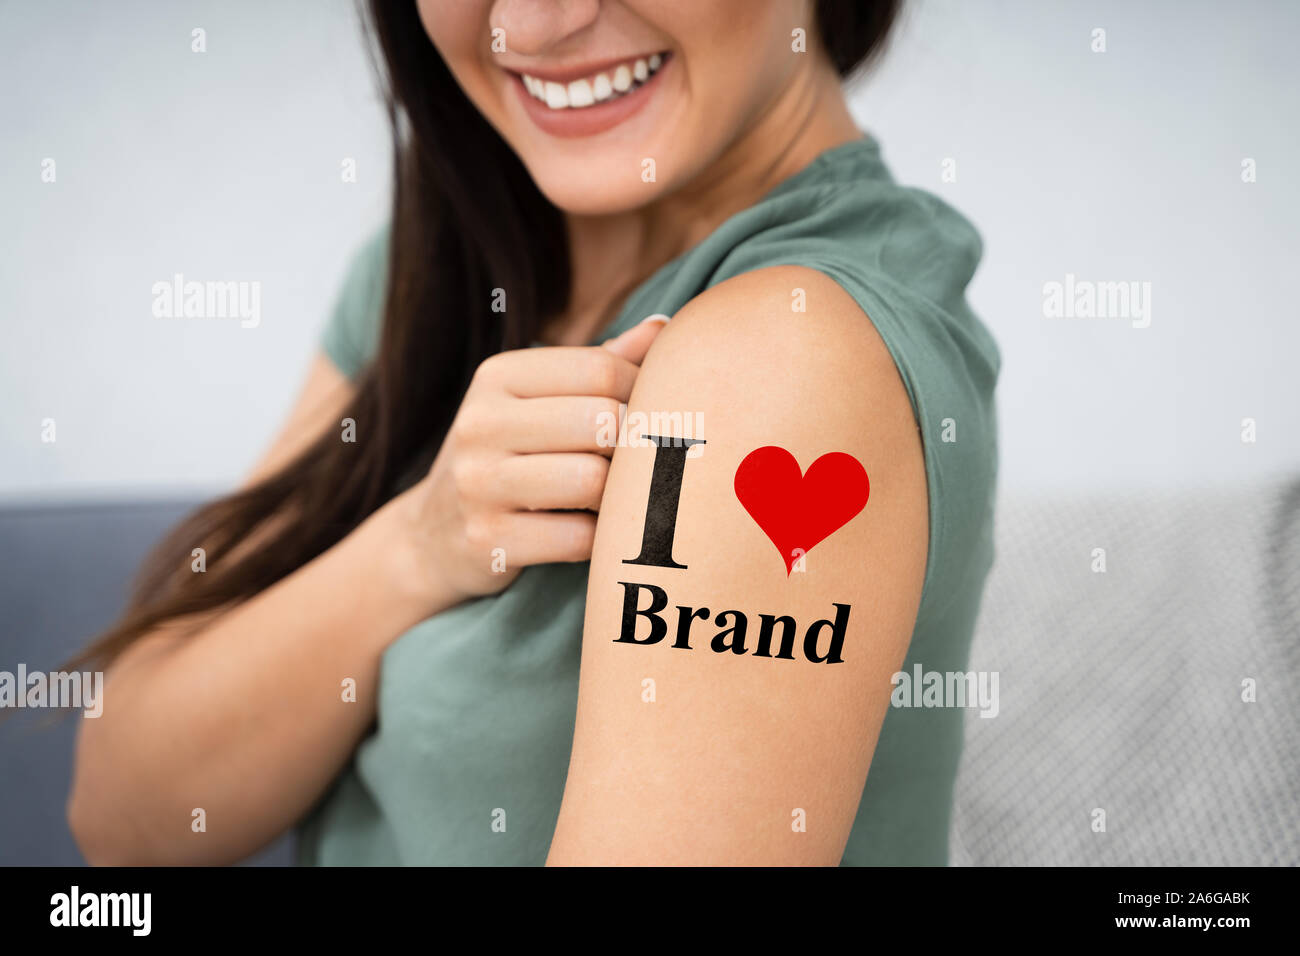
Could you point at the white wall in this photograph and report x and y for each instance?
(1122, 165)
(224, 165)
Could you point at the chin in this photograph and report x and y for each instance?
(596, 188)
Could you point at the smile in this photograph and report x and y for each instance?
(599, 87)
(584, 101)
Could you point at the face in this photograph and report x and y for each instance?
(612, 104)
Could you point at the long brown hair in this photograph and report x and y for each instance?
(466, 219)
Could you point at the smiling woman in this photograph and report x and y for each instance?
(479, 612)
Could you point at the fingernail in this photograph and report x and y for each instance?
(656, 317)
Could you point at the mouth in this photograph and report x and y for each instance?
(589, 100)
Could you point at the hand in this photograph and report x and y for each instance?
(522, 470)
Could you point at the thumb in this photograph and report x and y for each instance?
(635, 342)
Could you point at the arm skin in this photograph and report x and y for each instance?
(245, 717)
(712, 771)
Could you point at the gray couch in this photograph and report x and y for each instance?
(64, 575)
(1119, 691)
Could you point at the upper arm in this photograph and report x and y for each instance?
(698, 753)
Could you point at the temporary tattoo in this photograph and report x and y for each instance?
(797, 511)
(735, 625)
(661, 508)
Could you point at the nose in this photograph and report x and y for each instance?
(533, 27)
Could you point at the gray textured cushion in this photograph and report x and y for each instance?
(1123, 690)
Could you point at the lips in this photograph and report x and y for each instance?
(586, 101)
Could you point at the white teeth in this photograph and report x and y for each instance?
(580, 94)
(594, 89)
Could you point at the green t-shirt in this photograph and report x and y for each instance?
(476, 705)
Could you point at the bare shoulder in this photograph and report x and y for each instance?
(792, 347)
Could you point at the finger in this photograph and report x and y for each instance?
(554, 423)
(560, 370)
(550, 480)
(635, 342)
(542, 537)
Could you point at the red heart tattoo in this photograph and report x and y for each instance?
(799, 510)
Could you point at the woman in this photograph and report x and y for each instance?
(380, 639)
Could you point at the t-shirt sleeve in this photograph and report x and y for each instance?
(949, 374)
(351, 332)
